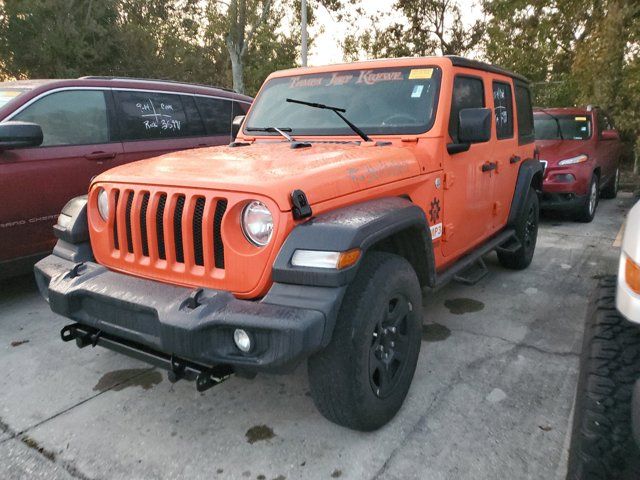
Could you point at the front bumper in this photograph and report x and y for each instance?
(195, 325)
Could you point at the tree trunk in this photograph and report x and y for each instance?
(237, 70)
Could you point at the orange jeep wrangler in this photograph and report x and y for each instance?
(349, 189)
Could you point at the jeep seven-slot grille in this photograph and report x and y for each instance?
(194, 208)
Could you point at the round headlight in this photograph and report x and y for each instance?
(103, 204)
(257, 223)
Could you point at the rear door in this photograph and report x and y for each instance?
(35, 183)
(468, 190)
(217, 114)
(153, 123)
(506, 150)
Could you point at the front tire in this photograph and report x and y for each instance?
(526, 233)
(362, 377)
(602, 445)
(587, 211)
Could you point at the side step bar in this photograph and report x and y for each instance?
(178, 368)
(457, 269)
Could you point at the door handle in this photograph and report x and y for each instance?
(514, 159)
(98, 156)
(487, 167)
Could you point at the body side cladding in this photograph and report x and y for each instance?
(384, 224)
(529, 175)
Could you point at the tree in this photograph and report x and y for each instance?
(240, 20)
(429, 27)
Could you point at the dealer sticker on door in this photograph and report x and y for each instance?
(436, 231)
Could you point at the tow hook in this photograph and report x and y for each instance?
(178, 368)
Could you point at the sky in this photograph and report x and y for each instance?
(328, 33)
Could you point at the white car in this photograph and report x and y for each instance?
(606, 424)
(628, 289)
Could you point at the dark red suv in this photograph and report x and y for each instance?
(580, 150)
(56, 135)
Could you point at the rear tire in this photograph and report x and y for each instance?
(361, 378)
(587, 211)
(602, 445)
(526, 233)
(611, 190)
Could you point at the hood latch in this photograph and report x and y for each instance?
(301, 208)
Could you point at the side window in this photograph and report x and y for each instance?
(525, 114)
(194, 125)
(150, 115)
(216, 114)
(239, 108)
(468, 92)
(503, 103)
(72, 117)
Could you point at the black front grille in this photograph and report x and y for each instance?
(177, 229)
(218, 246)
(143, 224)
(127, 220)
(137, 204)
(162, 201)
(198, 217)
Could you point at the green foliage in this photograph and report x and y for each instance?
(429, 27)
(172, 39)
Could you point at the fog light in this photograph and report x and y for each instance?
(242, 340)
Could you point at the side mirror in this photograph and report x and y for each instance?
(19, 135)
(236, 125)
(610, 135)
(475, 125)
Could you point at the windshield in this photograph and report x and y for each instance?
(380, 101)
(571, 127)
(8, 94)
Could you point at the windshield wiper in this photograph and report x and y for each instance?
(338, 111)
(557, 120)
(282, 131)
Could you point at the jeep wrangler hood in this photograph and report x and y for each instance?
(274, 169)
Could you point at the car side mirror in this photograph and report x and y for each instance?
(610, 135)
(475, 125)
(20, 135)
(236, 125)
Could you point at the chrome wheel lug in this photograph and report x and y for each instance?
(392, 329)
(392, 344)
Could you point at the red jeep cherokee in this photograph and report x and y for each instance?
(580, 150)
(56, 135)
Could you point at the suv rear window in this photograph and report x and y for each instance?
(216, 114)
(150, 115)
(73, 117)
(525, 114)
(468, 92)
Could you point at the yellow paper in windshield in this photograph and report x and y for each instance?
(581, 119)
(420, 73)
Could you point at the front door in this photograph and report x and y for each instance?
(35, 183)
(469, 176)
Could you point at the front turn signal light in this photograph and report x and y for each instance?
(632, 275)
(325, 259)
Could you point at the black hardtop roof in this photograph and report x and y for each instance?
(463, 62)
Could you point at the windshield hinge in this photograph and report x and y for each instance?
(301, 208)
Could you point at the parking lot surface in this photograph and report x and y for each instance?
(491, 397)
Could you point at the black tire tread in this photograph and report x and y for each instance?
(519, 260)
(335, 377)
(602, 445)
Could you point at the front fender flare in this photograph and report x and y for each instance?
(361, 225)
